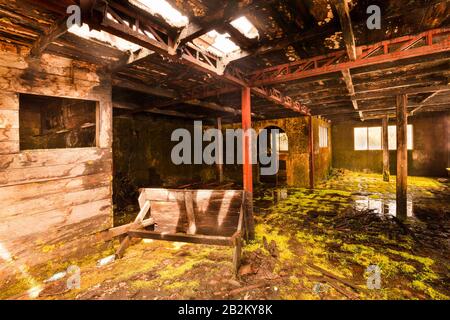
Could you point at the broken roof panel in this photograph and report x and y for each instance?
(162, 8)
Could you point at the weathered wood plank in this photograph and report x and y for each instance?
(9, 101)
(41, 222)
(50, 85)
(53, 157)
(52, 202)
(9, 147)
(9, 119)
(57, 244)
(51, 65)
(38, 174)
(199, 239)
(198, 195)
(105, 123)
(22, 192)
(9, 134)
(237, 253)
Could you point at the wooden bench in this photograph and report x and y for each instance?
(214, 217)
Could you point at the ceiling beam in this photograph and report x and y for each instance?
(190, 55)
(131, 107)
(424, 101)
(58, 29)
(222, 18)
(427, 43)
(351, 90)
(140, 87)
(287, 40)
(213, 106)
(346, 26)
(400, 91)
(129, 59)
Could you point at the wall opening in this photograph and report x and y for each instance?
(282, 149)
(53, 123)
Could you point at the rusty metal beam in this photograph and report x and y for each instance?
(430, 42)
(189, 54)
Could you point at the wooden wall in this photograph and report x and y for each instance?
(52, 201)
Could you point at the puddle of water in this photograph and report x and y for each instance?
(382, 206)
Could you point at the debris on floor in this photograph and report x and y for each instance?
(310, 244)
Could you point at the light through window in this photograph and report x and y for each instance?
(392, 130)
(370, 138)
(361, 142)
(323, 137)
(374, 138)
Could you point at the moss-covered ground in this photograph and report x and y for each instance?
(309, 245)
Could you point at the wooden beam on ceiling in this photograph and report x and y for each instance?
(425, 101)
(131, 107)
(347, 29)
(232, 10)
(130, 59)
(351, 90)
(56, 30)
(140, 87)
(399, 91)
(285, 25)
(213, 106)
(287, 40)
(190, 55)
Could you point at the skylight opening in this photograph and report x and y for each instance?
(217, 43)
(162, 8)
(244, 26)
(116, 42)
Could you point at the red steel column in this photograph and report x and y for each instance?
(247, 161)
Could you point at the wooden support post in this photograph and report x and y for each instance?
(219, 154)
(125, 241)
(237, 255)
(189, 202)
(402, 157)
(385, 143)
(311, 153)
(247, 161)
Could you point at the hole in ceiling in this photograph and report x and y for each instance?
(107, 38)
(244, 26)
(104, 37)
(217, 43)
(162, 8)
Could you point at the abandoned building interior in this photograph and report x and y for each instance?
(360, 114)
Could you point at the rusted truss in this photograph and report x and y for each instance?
(135, 29)
(429, 42)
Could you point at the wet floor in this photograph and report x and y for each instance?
(305, 239)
